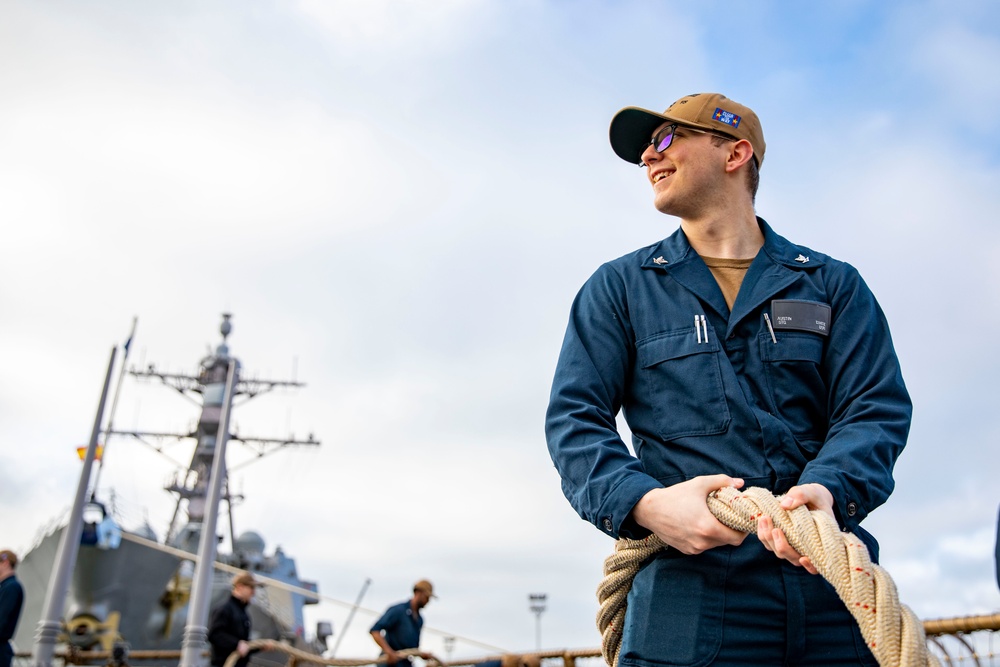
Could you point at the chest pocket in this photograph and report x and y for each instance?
(683, 381)
(793, 367)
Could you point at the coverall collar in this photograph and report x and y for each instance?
(777, 265)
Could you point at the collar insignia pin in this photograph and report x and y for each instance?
(802, 258)
(659, 260)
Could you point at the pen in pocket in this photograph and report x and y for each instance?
(701, 328)
(767, 320)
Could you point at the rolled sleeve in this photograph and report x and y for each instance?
(388, 620)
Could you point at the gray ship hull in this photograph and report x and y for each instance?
(138, 594)
(129, 580)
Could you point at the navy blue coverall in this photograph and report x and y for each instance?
(822, 400)
(401, 627)
(11, 601)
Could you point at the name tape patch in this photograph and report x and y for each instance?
(796, 315)
(727, 117)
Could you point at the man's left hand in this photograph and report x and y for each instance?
(814, 497)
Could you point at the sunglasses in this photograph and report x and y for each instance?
(663, 137)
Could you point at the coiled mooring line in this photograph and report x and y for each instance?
(892, 631)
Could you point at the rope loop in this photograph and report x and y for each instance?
(304, 656)
(892, 631)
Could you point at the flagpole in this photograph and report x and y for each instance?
(111, 415)
(195, 637)
(69, 545)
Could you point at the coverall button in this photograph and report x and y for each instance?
(607, 524)
(852, 508)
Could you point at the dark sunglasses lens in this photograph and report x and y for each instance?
(661, 140)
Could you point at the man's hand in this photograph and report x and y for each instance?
(242, 647)
(813, 496)
(391, 655)
(679, 515)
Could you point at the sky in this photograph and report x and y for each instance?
(397, 200)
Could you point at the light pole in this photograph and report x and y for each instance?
(449, 646)
(536, 602)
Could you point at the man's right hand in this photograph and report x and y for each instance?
(679, 515)
(391, 657)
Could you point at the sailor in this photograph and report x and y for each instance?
(109, 534)
(11, 601)
(229, 626)
(738, 359)
(399, 627)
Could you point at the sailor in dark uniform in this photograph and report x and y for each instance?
(229, 626)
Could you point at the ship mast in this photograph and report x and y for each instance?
(208, 388)
(212, 381)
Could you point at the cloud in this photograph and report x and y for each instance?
(958, 58)
(401, 199)
(397, 30)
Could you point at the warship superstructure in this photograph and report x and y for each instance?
(131, 588)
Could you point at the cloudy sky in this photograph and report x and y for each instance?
(397, 201)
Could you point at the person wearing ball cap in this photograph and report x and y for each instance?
(399, 627)
(229, 623)
(632, 127)
(739, 359)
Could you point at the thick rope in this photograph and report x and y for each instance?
(305, 656)
(961, 625)
(892, 631)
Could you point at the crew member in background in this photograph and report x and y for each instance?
(229, 626)
(399, 627)
(11, 601)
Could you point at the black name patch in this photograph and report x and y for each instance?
(792, 314)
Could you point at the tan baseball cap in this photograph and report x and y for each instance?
(245, 578)
(632, 127)
(424, 586)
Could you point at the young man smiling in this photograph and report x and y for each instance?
(739, 359)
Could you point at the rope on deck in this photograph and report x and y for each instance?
(892, 631)
(304, 656)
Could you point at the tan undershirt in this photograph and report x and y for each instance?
(729, 273)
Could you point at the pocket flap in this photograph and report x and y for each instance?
(674, 345)
(792, 347)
